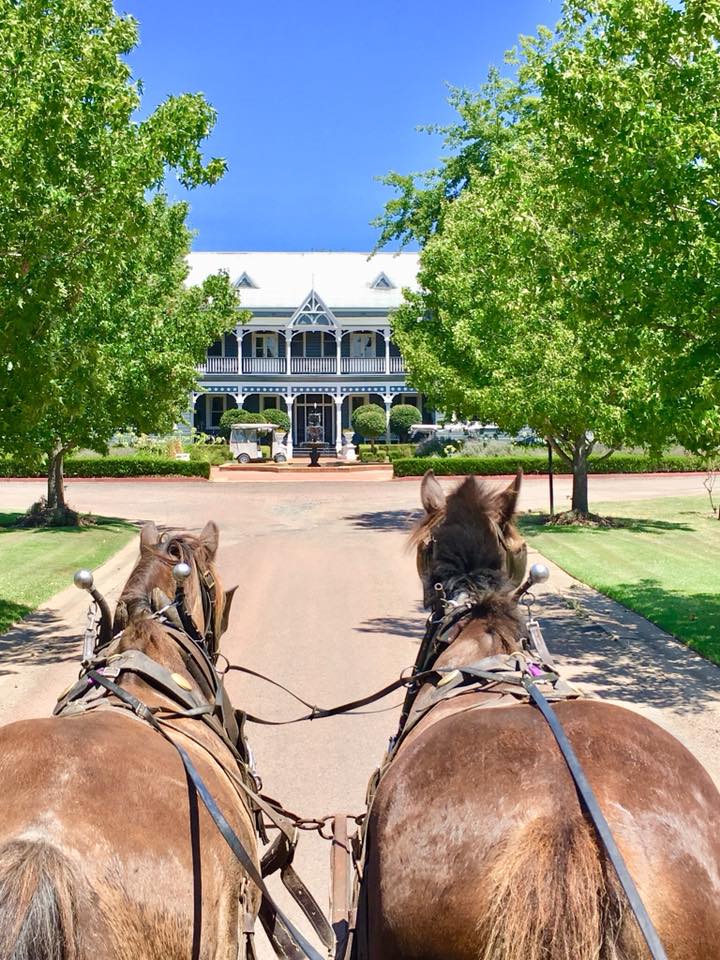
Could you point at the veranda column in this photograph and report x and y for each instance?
(338, 340)
(239, 336)
(289, 404)
(386, 334)
(338, 424)
(388, 407)
(288, 351)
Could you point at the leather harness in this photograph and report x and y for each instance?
(98, 687)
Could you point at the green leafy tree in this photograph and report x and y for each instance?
(369, 421)
(402, 417)
(97, 330)
(569, 273)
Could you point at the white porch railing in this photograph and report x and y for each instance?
(397, 365)
(313, 365)
(264, 365)
(219, 365)
(363, 364)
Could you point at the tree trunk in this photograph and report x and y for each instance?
(580, 478)
(56, 479)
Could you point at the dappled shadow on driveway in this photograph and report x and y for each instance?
(385, 520)
(41, 639)
(411, 628)
(625, 657)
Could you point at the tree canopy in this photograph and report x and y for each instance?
(97, 329)
(402, 417)
(569, 272)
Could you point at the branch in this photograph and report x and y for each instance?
(605, 455)
(565, 457)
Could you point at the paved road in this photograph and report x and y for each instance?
(328, 604)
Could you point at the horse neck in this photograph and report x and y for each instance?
(493, 625)
(151, 638)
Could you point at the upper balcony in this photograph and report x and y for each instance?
(311, 353)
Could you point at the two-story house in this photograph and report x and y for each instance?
(318, 341)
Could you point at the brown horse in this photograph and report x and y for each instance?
(477, 845)
(103, 850)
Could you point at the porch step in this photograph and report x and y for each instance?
(303, 450)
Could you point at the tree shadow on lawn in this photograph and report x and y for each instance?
(385, 520)
(41, 638)
(626, 658)
(534, 524)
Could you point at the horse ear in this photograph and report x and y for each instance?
(508, 498)
(229, 595)
(432, 495)
(149, 536)
(209, 537)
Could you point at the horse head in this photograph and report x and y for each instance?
(471, 530)
(151, 585)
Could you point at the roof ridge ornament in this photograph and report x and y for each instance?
(245, 280)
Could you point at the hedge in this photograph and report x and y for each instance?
(493, 466)
(115, 467)
(392, 451)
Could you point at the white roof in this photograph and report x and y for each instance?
(283, 280)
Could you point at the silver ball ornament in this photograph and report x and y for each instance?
(83, 580)
(539, 573)
(181, 572)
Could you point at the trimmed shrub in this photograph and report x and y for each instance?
(278, 417)
(494, 466)
(238, 415)
(402, 417)
(115, 467)
(369, 421)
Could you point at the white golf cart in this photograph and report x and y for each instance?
(245, 443)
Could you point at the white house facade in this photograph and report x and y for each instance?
(318, 341)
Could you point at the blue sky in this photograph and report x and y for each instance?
(315, 100)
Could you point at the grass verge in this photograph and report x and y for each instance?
(661, 561)
(37, 563)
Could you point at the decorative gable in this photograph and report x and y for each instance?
(313, 313)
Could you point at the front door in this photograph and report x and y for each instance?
(311, 407)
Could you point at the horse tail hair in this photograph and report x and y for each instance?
(551, 895)
(38, 903)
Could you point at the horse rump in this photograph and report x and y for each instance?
(553, 896)
(38, 903)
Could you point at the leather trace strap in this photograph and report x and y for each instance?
(286, 934)
(598, 818)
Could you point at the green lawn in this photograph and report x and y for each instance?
(37, 563)
(663, 562)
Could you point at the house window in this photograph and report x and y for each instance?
(218, 405)
(269, 403)
(264, 345)
(362, 344)
(358, 400)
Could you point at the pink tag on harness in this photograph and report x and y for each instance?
(534, 670)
